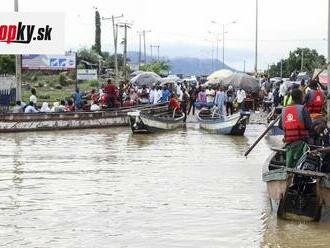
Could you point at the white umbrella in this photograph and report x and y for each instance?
(146, 78)
(218, 75)
(170, 79)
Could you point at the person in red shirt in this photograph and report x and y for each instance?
(110, 88)
(173, 103)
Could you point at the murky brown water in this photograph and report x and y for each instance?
(108, 188)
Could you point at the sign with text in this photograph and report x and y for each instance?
(49, 62)
(88, 74)
(32, 33)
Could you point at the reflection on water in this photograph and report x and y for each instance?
(109, 188)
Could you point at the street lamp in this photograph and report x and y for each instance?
(223, 25)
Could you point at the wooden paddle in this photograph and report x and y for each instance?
(261, 136)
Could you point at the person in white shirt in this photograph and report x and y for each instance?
(45, 107)
(152, 94)
(240, 96)
(210, 94)
(33, 97)
(158, 95)
(30, 108)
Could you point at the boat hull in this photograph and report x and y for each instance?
(232, 125)
(147, 123)
(290, 205)
(67, 120)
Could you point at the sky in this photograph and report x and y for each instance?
(184, 28)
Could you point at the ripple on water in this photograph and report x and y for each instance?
(101, 188)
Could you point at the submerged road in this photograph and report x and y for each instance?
(109, 188)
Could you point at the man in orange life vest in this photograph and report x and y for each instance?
(297, 126)
(314, 100)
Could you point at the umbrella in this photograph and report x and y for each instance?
(135, 73)
(170, 79)
(146, 78)
(242, 80)
(221, 74)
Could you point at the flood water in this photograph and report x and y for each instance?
(109, 188)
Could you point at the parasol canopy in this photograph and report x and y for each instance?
(242, 80)
(146, 78)
(170, 79)
(218, 75)
(135, 73)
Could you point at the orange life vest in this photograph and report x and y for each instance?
(315, 102)
(293, 123)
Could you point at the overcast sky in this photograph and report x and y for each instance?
(181, 27)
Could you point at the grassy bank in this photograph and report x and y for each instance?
(52, 88)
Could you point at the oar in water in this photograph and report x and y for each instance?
(261, 136)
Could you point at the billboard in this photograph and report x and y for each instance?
(49, 62)
(32, 33)
(86, 74)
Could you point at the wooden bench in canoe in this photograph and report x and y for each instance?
(11, 122)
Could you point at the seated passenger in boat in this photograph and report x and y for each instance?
(85, 106)
(59, 107)
(174, 103)
(95, 106)
(69, 107)
(297, 126)
(45, 108)
(19, 107)
(128, 102)
(30, 108)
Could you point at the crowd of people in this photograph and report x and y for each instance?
(188, 98)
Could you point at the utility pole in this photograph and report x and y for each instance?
(256, 45)
(18, 67)
(140, 38)
(151, 52)
(217, 59)
(115, 38)
(302, 60)
(281, 68)
(145, 45)
(222, 26)
(223, 46)
(244, 66)
(125, 25)
(151, 47)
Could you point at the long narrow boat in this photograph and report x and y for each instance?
(230, 125)
(11, 122)
(301, 193)
(155, 120)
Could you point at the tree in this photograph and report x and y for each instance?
(156, 66)
(97, 45)
(311, 60)
(89, 55)
(7, 64)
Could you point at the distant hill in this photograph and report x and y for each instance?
(187, 65)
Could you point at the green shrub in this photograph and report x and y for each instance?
(44, 96)
(62, 80)
(93, 83)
